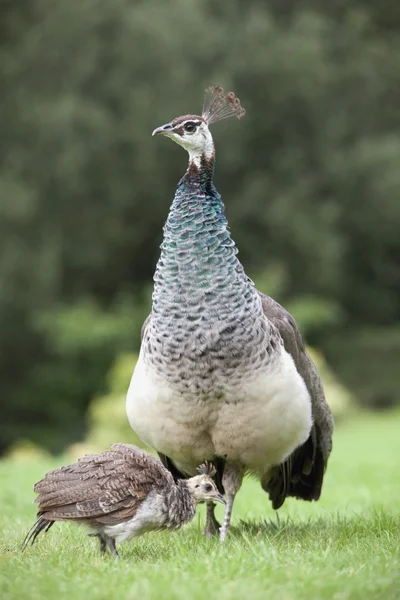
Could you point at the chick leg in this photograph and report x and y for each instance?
(102, 542)
(231, 480)
(111, 546)
(105, 542)
(212, 526)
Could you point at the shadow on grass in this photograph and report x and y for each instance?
(375, 523)
(273, 528)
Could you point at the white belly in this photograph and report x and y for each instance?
(257, 420)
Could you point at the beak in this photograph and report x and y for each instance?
(164, 129)
(219, 498)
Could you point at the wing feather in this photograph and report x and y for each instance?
(302, 473)
(104, 488)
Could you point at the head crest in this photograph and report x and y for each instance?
(207, 469)
(218, 105)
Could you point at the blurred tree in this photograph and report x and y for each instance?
(310, 177)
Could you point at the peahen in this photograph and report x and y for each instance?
(120, 494)
(223, 374)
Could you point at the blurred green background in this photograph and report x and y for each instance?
(310, 179)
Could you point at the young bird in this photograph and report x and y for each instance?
(121, 493)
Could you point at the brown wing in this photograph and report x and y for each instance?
(302, 473)
(103, 488)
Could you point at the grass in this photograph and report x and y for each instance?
(344, 547)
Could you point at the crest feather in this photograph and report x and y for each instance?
(207, 469)
(219, 105)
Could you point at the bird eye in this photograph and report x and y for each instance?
(190, 127)
(208, 487)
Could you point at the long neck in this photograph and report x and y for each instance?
(180, 504)
(198, 271)
(205, 156)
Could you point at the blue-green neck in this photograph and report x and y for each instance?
(199, 176)
(198, 270)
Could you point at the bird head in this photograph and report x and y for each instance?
(192, 131)
(189, 131)
(203, 489)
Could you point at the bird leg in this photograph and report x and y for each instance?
(212, 526)
(102, 542)
(111, 545)
(105, 541)
(231, 480)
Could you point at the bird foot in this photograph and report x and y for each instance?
(211, 528)
(105, 542)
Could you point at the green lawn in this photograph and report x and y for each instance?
(344, 547)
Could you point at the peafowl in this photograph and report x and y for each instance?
(121, 493)
(223, 374)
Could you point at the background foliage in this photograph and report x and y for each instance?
(310, 178)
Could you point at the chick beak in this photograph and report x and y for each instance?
(219, 498)
(164, 129)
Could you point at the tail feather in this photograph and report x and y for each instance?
(41, 524)
(300, 476)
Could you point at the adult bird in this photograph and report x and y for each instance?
(223, 374)
(120, 494)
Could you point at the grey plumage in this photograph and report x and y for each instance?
(223, 374)
(120, 493)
